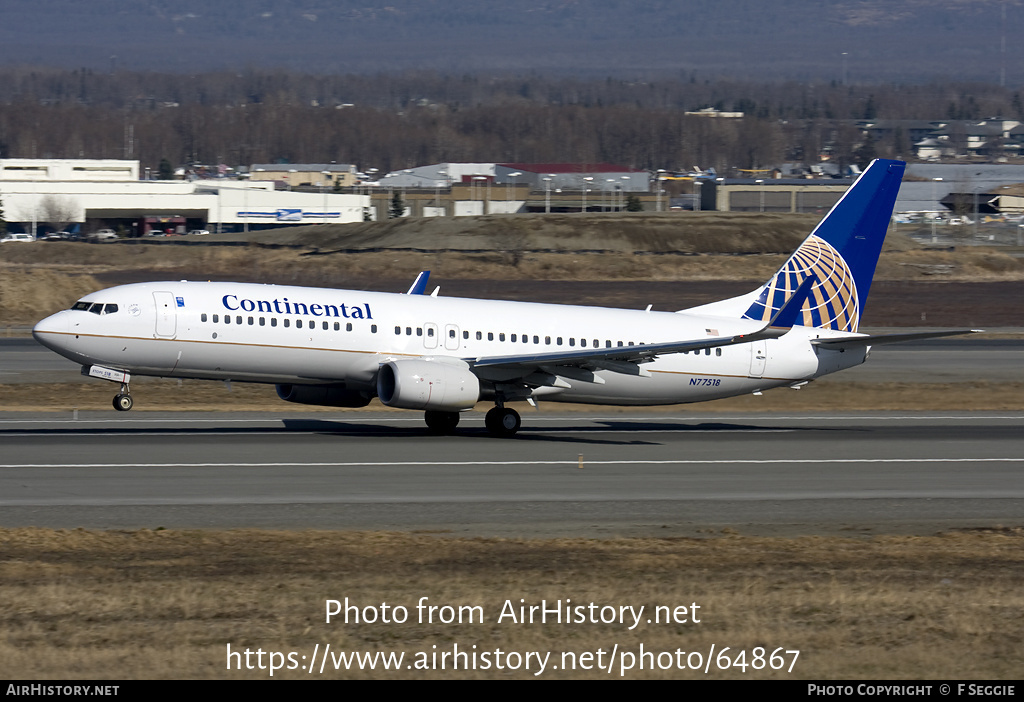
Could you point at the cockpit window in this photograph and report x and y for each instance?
(95, 307)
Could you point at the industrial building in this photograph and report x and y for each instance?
(86, 195)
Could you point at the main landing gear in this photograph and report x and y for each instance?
(500, 421)
(503, 421)
(123, 400)
(441, 422)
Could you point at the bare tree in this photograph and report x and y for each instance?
(58, 210)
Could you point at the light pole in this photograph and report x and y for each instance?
(245, 204)
(586, 182)
(760, 182)
(437, 190)
(547, 196)
(935, 196)
(323, 189)
(622, 194)
(508, 186)
(698, 194)
(479, 193)
(658, 178)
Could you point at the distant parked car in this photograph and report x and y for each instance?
(16, 237)
(104, 234)
(199, 232)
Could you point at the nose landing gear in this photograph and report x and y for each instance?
(123, 400)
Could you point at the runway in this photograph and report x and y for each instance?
(588, 474)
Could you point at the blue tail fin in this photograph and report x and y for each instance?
(841, 253)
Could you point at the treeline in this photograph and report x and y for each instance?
(398, 121)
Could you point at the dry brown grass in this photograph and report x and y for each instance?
(164, 604)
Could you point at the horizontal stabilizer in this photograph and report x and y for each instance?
(878, 339)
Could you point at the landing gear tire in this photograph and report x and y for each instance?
(123, 403)
(503, 421)
(441, 422)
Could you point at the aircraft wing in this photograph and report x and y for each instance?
(639, 353)
(624, 359)
(850, 342)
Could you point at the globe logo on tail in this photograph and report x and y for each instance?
(832, 302)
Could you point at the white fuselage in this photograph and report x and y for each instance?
(298, 335)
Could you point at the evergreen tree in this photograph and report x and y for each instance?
(633, 204)
(166, 172)
(397, 208)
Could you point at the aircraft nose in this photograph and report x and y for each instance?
(49, 330)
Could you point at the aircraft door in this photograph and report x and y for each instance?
(758, 358)
(166, 315)
(430, 335)
(451, 337)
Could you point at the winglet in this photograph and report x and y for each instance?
(786, 317)
(419, 286)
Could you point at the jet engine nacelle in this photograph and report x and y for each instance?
(325, 395)
(427, 385)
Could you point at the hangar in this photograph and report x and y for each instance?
(39, 195)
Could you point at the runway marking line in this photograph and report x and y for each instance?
(573, 462)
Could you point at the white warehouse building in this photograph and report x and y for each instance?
(90, 194)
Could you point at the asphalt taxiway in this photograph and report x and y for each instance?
(586, 474)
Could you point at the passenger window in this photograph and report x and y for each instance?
(479, 336)
(287, 323)
(273, 321)
(547, 340)
(465, 335)
(348, 326)
(490, 336)
(337, 326)
(238, 319)
(216, 318)
(718, 352)
(501, 336)
(513, 337)
(536, 339)
(618, 343)
(572, 341)
(251, 321)
(408, 331)
(419, 331)
(202, 317)
(373, 328)
(583, 342)
(707, 352)
(227, 319)
(263, 321)
(298, 324)
(430, 332)
(398, 330)
(325, 326)
(559, 341)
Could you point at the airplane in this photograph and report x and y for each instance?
(342, 348)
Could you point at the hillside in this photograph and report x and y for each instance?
(785, 39)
